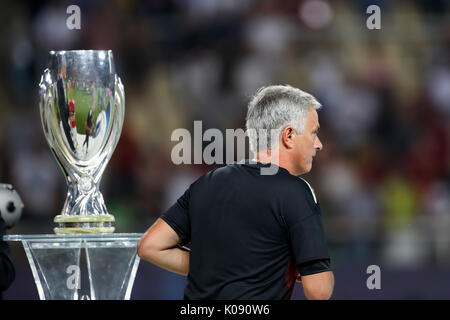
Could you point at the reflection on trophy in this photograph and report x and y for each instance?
(82, 107)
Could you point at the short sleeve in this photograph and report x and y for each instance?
(177, 217)
(315, 266)
(304, 223)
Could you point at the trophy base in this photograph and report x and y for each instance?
(90, 224)
(91, 230)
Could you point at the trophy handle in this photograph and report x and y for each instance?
(46, 95)
(119, 107)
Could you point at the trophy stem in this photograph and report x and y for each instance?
(84, 210)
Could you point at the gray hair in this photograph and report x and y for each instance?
(272, 109)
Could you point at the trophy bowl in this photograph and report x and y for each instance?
(82, 106)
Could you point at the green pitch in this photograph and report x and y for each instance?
(83, 101)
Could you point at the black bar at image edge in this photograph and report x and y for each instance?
(178, 309)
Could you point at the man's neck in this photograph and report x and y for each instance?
(275, 158)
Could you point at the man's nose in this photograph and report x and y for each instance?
(318, 144)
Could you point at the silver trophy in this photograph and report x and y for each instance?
(82, 105)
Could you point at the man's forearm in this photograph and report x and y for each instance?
(318, 286)
(174, 259)
(159, 245)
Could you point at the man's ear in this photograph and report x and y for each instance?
(287, 137)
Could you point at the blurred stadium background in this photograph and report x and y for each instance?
(383, 178)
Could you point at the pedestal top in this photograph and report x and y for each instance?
(73, 237)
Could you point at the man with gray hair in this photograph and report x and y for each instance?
(282, 110)
(253, 231)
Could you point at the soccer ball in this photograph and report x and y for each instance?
(10, 205)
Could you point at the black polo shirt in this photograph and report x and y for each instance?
(7, 271)
(249, 234)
